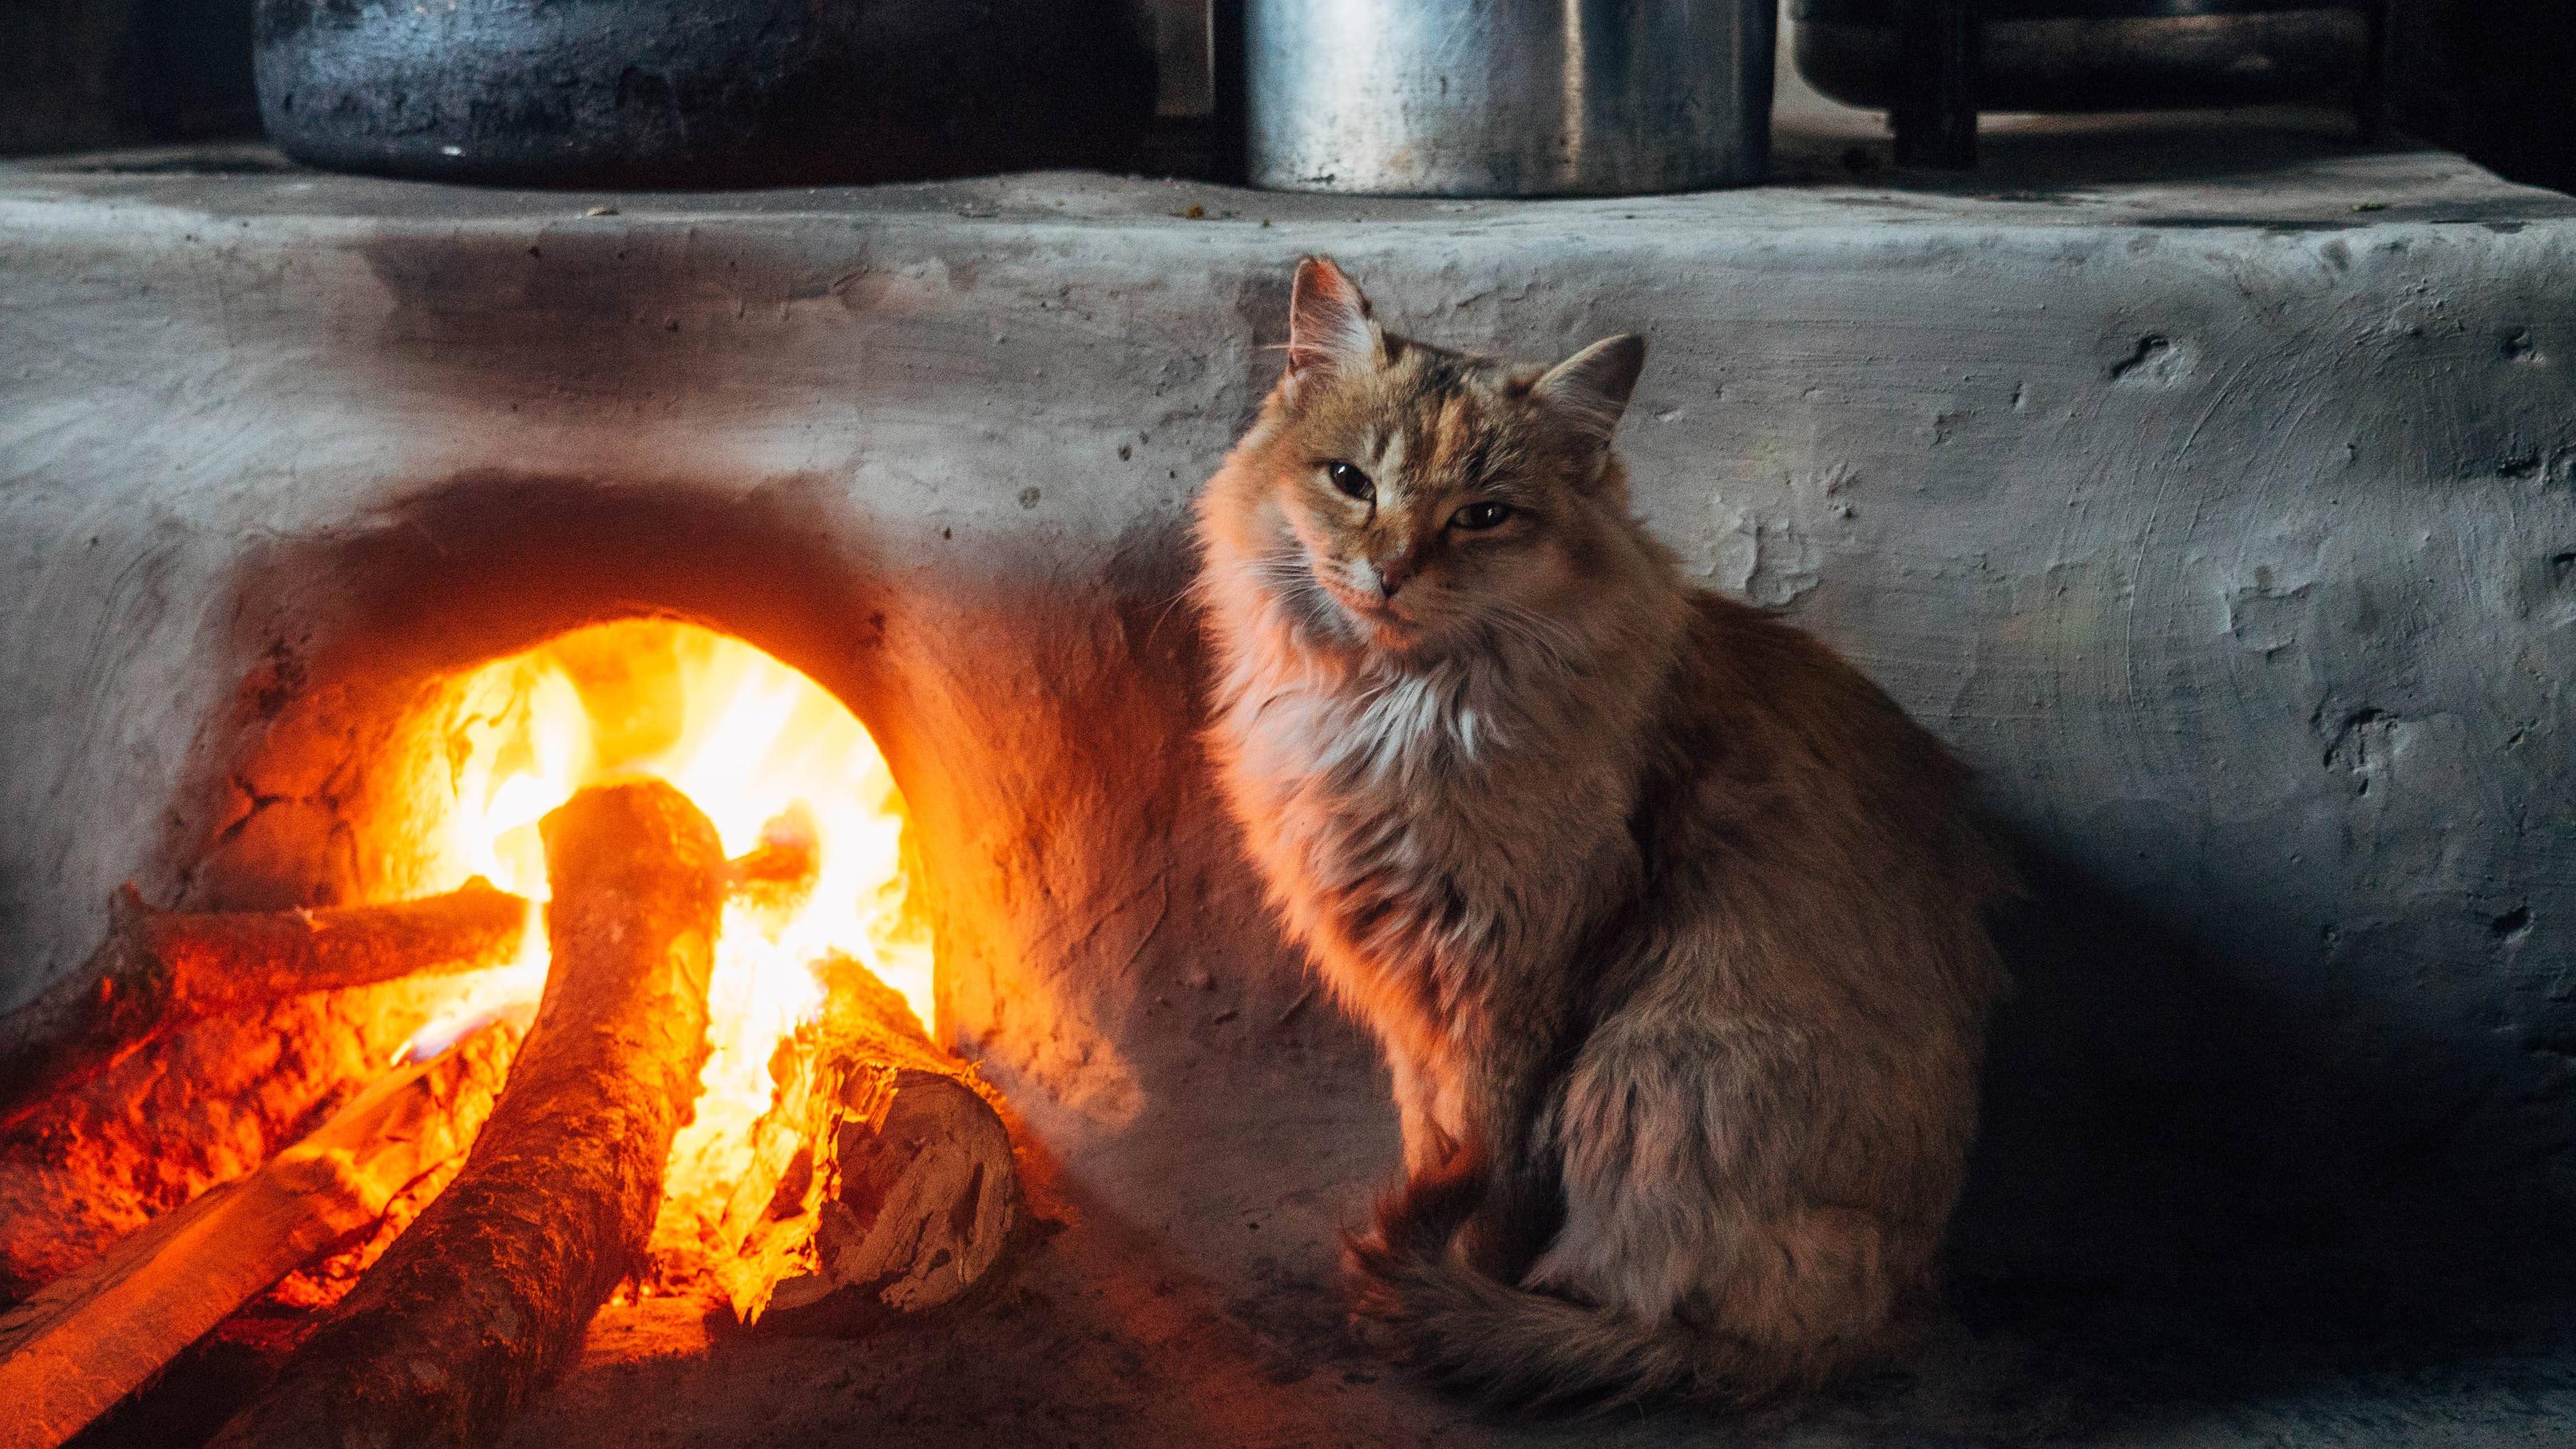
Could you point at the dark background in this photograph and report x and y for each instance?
(80, 74)
(2492, 78)
(2487, 77)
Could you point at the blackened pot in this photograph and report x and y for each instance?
(699, 93)
(2103, 55)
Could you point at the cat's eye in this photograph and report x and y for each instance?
(1350, 480)
(1477, 517)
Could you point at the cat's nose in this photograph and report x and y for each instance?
(1393, 573)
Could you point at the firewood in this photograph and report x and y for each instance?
(883, 1184)
(475, 1308)
(158, 969)
(74, 1350)
(197, 1108)
(780, 869)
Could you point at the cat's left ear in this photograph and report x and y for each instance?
(1330, 327)
(1591, 388)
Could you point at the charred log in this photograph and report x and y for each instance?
(74, 1350)
(160, 968)
(194, 1109)
(486, 1297)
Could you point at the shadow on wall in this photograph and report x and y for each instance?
(2187, 1191)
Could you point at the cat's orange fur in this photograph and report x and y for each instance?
(1671, 924)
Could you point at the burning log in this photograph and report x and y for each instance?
(779, 871)
(484, 1299)
(71, 1352)
(160, 968)
(883, 1182)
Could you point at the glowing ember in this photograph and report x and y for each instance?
(772, 760)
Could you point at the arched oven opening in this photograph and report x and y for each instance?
(393, 798)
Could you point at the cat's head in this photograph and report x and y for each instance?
(1411, 501)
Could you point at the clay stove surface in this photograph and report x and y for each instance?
(2218, 512)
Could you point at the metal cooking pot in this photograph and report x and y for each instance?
(1507, 97)
(2103, 55)
(698, 92)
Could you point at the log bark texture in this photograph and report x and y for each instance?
(191, 1110)
(883, 1185)
(158, 969)
(77, 1348)
(475, 1308)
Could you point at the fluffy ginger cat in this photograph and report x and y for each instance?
(1672, 926)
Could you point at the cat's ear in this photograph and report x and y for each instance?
(1591, 388)
(1329, 326)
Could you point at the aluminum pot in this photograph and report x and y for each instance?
(1507, 97)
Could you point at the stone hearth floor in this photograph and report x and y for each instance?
(1185, 1337)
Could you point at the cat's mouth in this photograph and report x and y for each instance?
(1384, 623)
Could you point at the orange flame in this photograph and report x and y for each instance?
(756, 746)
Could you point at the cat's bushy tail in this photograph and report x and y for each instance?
(1474, 1334)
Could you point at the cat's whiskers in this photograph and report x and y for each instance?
(1552, 642)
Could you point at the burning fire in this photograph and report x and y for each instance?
(771, 758)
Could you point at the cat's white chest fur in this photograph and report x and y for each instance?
(1423, 832)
